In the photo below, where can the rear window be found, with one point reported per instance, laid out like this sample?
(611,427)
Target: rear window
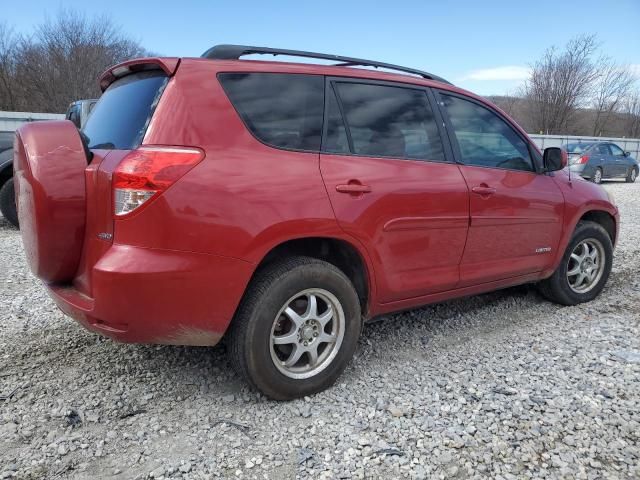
(577,147)
(121,116)
(282,110)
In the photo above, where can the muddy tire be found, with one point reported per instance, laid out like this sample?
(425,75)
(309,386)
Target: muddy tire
(584,269)
(8,202)
(296,329)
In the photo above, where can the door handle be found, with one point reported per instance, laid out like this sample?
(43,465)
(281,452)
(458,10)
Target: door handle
(353,188)
(484,190)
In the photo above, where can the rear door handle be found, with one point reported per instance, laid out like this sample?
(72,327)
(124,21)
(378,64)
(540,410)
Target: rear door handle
(484,190)
(353,188)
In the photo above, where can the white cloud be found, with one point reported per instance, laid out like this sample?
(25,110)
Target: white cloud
(511,72)
(635,69)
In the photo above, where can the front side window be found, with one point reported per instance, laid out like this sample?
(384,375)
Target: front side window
(616,150)
(388,121)
(281,110)
(484,138)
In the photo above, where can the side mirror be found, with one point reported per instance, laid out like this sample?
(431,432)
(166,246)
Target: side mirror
(554,159)
(626,154)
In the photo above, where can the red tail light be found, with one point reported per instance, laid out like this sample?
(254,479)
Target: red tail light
(582,160)
(147,172)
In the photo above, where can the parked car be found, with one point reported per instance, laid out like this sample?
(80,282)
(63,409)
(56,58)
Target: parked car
(280,205)
(7,203)
(78,112)
(597,161)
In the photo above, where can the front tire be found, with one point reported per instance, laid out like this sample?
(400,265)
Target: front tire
(632,175)
(8,202)
(584,269)
(296,329)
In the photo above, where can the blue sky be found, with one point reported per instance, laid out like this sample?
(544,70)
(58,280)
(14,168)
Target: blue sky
(484,45)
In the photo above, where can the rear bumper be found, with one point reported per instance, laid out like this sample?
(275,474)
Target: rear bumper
(583,170)
(142,295)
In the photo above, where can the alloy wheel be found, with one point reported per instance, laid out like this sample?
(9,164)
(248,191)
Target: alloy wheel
(307,333)
(586,265)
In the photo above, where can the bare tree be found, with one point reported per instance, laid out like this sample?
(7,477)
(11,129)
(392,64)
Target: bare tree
(632,114)
(63,58)
(611,88)
(8,43)
(560,83)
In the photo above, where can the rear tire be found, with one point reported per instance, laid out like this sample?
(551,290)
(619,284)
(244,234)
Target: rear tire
(563,287)
(632,175)
(8,202)
(597,176)
(277,320)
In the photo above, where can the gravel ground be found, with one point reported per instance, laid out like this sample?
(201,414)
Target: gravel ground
(502,385)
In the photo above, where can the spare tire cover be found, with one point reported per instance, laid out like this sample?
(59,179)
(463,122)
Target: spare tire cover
(49,164)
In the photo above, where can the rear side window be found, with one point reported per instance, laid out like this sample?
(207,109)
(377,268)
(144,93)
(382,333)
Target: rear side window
(484,138)
(388,121)
(120,118)
(281,110)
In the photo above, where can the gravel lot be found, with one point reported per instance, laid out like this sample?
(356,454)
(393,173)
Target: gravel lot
(502,385)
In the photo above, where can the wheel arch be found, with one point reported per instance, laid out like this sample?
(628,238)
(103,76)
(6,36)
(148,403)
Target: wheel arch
(604,219)
(337,251)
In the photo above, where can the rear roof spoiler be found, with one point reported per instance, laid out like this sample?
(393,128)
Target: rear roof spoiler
(234,52)
(168,65)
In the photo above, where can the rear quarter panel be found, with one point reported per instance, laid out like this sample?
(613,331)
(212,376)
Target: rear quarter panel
(244,198)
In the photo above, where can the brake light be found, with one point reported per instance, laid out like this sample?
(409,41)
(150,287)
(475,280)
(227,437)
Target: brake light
(582,160)
(149,171)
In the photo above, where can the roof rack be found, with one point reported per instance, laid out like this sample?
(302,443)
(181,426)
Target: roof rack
(234,52)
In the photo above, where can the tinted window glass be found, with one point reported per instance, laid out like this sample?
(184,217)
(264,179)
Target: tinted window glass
(578,147)
(336,140)
(390,122)
(282,110)
(121,116)
(616,150)
(484,138)
(604,149)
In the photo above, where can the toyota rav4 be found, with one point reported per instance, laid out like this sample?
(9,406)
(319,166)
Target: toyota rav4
(281,205)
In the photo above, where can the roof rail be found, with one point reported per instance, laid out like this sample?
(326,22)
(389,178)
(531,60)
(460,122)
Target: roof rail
(234,52)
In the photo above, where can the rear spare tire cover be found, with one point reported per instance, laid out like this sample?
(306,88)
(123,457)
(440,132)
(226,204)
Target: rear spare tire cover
(49,164)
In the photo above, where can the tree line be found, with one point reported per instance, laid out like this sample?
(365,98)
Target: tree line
(577,91)
(574,90)
(60,61)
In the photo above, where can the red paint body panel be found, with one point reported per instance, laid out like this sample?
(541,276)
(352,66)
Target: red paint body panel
(580,197)
(48,166)
(509,227)
(175,270)
(413,222)
(180,297)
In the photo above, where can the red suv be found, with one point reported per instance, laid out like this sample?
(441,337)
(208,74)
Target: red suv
(282,204)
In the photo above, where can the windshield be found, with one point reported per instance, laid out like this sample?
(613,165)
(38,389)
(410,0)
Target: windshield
(121,116)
